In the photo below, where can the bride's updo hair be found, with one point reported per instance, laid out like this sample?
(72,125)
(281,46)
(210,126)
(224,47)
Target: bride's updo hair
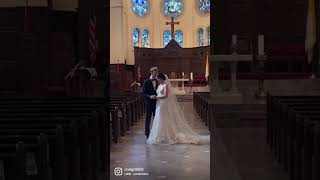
(161,76)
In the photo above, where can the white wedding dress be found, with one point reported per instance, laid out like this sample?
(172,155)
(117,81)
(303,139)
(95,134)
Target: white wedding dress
(169,124)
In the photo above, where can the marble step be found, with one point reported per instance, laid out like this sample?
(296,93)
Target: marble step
(239,123)
(239,107)
(240,115)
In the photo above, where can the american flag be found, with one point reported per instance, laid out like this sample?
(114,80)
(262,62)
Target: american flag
(93,42)
(139,73)
(26,18)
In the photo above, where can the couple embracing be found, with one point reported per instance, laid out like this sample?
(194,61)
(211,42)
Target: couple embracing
(169,124)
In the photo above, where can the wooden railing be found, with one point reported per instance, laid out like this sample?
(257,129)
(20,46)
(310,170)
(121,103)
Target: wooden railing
(135,86)
(82,82)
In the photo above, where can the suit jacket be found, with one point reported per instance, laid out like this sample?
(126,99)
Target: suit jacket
(148,89)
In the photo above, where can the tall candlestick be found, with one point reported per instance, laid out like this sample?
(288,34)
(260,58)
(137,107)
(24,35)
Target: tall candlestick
(182,74)
(234,39)
(261,44)
(191,76)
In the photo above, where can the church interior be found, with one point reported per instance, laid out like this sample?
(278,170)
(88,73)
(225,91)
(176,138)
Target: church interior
(244,72)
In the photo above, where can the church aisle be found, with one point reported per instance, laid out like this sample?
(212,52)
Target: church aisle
(181,161)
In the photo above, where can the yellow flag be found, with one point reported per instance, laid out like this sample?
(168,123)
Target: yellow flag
(310,30)
(207,66)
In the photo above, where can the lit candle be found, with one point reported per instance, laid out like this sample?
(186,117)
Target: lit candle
(234,39)
(191,76)
(261,44)
(182,74)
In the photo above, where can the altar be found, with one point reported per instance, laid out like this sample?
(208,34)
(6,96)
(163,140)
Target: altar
(233,96)
(175,85)
(171,59)
(216,93)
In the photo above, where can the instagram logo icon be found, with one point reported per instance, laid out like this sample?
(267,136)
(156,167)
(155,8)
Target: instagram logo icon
(118,171)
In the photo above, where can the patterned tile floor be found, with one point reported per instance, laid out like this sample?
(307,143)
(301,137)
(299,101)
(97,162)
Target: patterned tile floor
(188,162)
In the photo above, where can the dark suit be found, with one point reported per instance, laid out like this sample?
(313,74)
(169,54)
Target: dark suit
(149,90)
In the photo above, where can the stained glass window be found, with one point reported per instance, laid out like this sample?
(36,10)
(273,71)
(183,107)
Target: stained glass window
(208,35)
(178,35)
(136,34)
(204,6)
(173,8)
(166,38)
(201,37)
(140,7)
(145,38)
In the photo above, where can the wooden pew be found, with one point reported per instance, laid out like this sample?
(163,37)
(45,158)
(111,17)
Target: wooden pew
(126,108)
(132,109)
(63,142)
(275,106)
(293,134)
(94,132)
(115,123)
(273,121)
(14,156)
(124,113)
(136,97)
(202,106)
(7,113)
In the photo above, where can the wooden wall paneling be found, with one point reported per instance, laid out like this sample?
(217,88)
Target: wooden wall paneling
(316,64)
(8,62)
(122,79)
(172,58)
(61,57)
(8,54)
(38,59)
(36,55)
(219,27)
(8,19)
(282,22)
(84,7)
(33,65)
(103,27)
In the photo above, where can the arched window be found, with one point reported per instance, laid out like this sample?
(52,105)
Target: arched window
(145,38)
(201,37)
(208,35)
(173,8)
(178,35)
(204,6)
(140,7)
(166,38)
(136,34)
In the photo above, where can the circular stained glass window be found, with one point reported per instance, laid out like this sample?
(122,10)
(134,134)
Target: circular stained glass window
(204,6)
(173,8)
(140,7)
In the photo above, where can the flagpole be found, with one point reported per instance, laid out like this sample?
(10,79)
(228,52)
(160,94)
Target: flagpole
(310,30)
(139,73)
(26,18)
(207,67)
(93,41)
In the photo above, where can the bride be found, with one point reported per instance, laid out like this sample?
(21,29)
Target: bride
(169,124)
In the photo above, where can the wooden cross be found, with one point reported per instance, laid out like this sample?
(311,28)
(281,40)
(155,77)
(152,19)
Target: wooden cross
(172,23)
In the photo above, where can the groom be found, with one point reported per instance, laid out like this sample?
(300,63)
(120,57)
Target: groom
(149,88)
